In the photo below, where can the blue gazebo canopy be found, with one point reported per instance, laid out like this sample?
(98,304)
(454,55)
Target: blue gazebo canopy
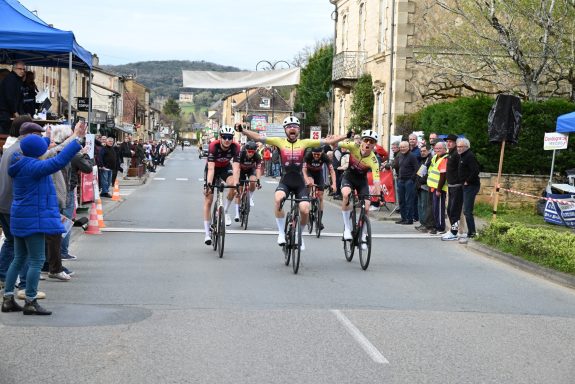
(24,36)
(566,123)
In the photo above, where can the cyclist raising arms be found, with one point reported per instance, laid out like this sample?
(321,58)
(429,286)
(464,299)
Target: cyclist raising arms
(250,168)
(313,171)
(291,153)
(362,159)
(222,164)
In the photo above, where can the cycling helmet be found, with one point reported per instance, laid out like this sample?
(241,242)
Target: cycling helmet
(290,120)
(251,146)
(317,150)
(370,135)
(226,131)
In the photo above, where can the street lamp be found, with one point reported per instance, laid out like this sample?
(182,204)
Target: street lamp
(272,67)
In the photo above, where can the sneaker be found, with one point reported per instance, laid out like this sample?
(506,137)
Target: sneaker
(281,239)
(449,236)
(433,231)
(43,275)
(463,239)
(21,295)
(252,202)
(10,305)
(69,256)
(62,276)
(237,218)
(68,272)
(422,228)
(228,220)
(441,232)
(407,222)
(208,240)
(401,221)
(347,234)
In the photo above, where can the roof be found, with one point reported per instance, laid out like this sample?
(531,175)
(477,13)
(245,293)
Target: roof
(24,36)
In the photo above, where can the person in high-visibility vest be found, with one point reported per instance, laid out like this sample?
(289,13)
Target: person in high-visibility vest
(436,181)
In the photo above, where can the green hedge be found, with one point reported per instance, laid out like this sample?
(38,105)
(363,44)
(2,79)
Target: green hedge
(468,116)
(542,246)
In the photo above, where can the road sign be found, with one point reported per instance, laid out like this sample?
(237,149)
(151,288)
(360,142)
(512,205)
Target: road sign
(315,132)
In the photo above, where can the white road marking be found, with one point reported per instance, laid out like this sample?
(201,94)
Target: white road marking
(272,182)
(181,178)
(159,178)
(369,348)
(253,232)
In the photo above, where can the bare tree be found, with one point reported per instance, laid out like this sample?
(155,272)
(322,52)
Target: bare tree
(492,46)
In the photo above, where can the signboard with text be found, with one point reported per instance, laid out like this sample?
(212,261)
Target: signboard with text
(315,132)
(555,140)
(83,104)
(258,122)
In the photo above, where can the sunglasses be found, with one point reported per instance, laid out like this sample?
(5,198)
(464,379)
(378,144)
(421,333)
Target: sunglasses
(289,126)
(227,137)
(369,141)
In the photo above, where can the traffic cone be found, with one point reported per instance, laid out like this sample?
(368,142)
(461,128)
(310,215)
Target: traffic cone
(100,212)
(93,227)
(116,194)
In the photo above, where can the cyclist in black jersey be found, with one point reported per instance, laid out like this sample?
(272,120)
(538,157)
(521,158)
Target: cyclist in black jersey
(291,152)
(313,171)
(250,169)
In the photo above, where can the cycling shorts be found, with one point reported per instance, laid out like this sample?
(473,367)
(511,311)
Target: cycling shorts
(317,179)
(245,175)
(293,182)
(220,173)
(356,182)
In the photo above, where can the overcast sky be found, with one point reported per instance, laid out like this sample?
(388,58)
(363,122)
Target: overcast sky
(239,33)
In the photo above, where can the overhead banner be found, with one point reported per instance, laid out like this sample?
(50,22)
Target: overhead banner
(237,80)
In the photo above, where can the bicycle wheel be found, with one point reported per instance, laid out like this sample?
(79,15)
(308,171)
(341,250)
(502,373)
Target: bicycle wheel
(296,248)
(318,218)
(287,246)
(221,230)
(364,254)
(311,219)
(246,209)
(214,227)
(349,245)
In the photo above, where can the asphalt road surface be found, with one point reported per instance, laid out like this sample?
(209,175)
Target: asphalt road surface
(150,303)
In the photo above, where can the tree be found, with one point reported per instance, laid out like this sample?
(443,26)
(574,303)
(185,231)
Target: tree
(362,105)
(315,83)
(493,46)
(171,108)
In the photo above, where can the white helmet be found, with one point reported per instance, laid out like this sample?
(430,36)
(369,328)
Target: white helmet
(226,131)
(290,120)
(370,134)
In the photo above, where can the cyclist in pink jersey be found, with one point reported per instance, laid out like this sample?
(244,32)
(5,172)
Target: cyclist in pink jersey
(292,151)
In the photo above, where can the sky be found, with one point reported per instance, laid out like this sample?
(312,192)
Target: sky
(238,33)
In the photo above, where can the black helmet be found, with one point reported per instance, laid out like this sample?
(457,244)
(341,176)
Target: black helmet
(251,146)
(317,150)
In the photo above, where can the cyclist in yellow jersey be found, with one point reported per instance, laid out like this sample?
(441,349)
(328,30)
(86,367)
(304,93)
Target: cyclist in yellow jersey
(362,159)
(292,151)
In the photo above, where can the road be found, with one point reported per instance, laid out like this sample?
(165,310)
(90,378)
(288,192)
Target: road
(150,303)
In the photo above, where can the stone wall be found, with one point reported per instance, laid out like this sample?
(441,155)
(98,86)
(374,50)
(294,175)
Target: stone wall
(533,185)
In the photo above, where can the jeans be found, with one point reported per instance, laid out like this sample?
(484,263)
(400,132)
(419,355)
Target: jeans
(27,249)
(68,212)
(7,252)
(406,192)
(276,169)
(106,176)
(469,193)
(422,203)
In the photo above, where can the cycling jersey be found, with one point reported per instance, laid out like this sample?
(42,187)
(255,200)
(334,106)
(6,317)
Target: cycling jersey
(292,154)
(359,164)
(313,165)
(221,157)
(249,163)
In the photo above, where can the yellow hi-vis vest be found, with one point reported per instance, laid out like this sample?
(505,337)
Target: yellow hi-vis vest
(433,173)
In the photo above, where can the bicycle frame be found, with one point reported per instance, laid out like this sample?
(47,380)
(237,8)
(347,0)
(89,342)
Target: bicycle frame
(292,247)
(360,232)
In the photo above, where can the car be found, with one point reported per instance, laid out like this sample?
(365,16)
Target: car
(204,150)
(187,143)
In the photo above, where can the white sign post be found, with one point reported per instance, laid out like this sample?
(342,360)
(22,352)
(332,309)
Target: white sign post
(315,132)
(552,142)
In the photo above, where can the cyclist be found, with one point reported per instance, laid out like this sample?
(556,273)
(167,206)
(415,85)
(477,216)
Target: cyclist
(313,172)
(362,159)
(291,152)
(250,169)
(222,164)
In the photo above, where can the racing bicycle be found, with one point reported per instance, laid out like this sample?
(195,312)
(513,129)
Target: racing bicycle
(292,246)
(361,231)
(315,212)
(218,224)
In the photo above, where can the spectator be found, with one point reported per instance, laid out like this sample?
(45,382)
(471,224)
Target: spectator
(454,189)
(275,163)
(468,175)
(436,181)
(407,166)
(413,145)
(126,154)
(11,101)
(109,161)
(29,92)
(31,180)
(267,156)
(423,206)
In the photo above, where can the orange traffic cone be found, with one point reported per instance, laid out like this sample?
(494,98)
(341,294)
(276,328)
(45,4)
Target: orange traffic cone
(100,212)
(116,194)
(93,227)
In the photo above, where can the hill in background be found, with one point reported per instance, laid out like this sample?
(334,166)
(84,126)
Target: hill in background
(164,78)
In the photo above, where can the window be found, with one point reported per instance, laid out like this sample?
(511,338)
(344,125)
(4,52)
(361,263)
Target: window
(361,34)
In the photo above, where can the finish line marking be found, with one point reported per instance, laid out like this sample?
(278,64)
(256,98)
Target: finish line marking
(255,232)
(367,346)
